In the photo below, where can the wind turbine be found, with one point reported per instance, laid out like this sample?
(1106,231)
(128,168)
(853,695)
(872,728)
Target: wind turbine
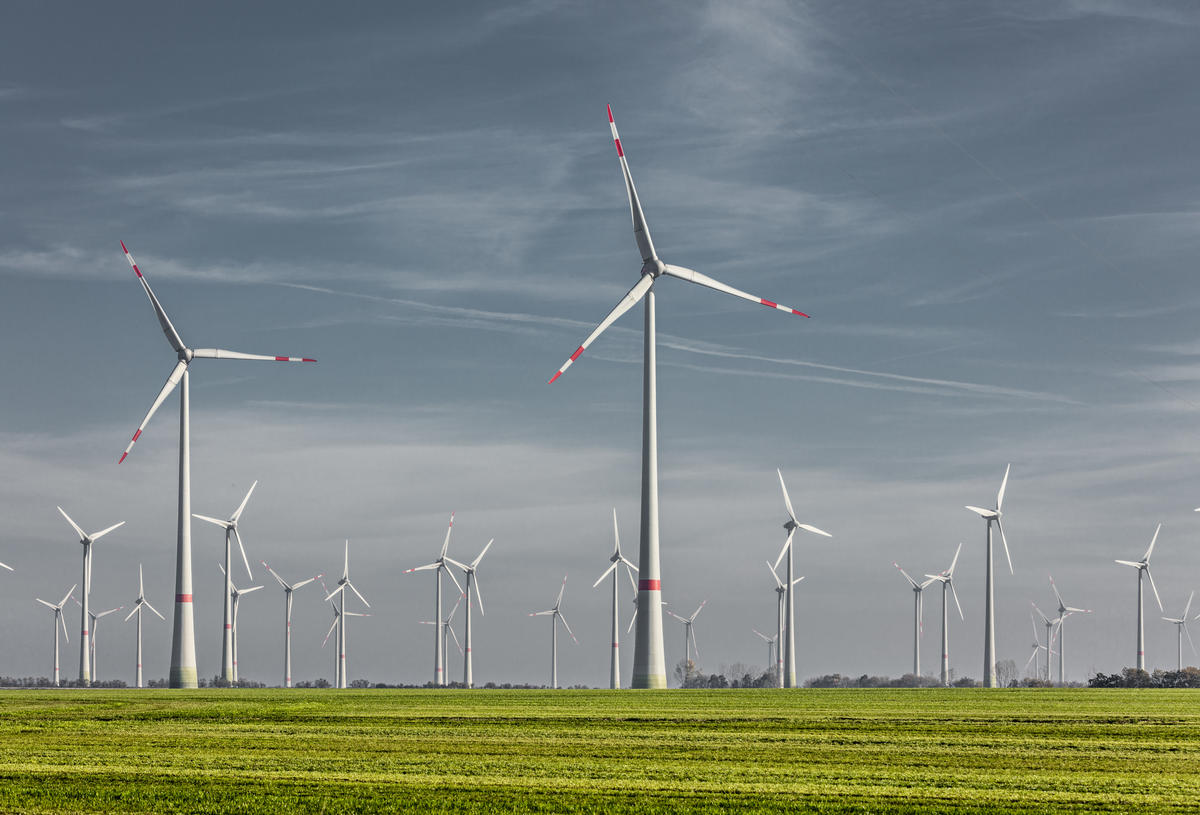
(771,643)
(555,615)
(343,584)
(339,658)
(918,608)
(1181,629)
(96,624)
(947,581)
(439,660)
(1050,624)
(789,655)
(689,634)
(472,582)
(228,657)
(58,619)
(141,603)
(1143,565)
(989,604)
(86,541)
(448,628)
(6,566)
(183,635)
(614,670)
(649,662)
(236,594)
(780,602)
(287,618)
(1064,611)
(1037,646)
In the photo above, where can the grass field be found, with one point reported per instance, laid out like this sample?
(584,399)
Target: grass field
(258,751)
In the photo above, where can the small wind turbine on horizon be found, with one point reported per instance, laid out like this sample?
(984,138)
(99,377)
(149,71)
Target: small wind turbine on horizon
(288,588)
(614,669)
(228,656)
(472,592)
(555,615)
(439,565)
(1037,645)
(59,619)
(918,608)
(1181,629)
(1064,611)
(649,660)
(989,604)
(1050,626)
(96,624)
(1143,565)
(183,636)
(790,526)
(448,629)
(236,594)
(86,541)
(947,580)
(339,658)
(689,635)
(771,646)
(141,603)
(780,603)
(343,584)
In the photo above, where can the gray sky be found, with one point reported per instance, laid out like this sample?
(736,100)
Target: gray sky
(990,210)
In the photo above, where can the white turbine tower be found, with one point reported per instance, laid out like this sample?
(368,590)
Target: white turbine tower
(141,603)
(947,580)
(288,588)
(1064,611)
(790,526)
(339,658)
(472,580)
(343,584)
(1143,565)
(1181,629)
(439,565)
(448,629)
(555,615)
(58,619)
(918,615)
(96,624)
(236,594)
(228,657)
(614,669)
(689,636)
(989,603)
(86,541)
(183,635)
(780,604)
(649,662)
(1050,626)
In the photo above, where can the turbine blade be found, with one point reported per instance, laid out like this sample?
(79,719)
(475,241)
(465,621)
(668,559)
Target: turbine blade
(778,582)
(346,562)
(1031,656)
(62,618)
(136,609)
(422,568)
(695,645)
(475,562)
(692,276)
(238,537)
(98,535)
(454,562)
(953,563)
(561,589)
(1128,563)
(356,592)
(478,596)
(676,616)
(1057,596)
(446,542)
(335,592)
(221,353)
(983,513)
(455,638)
(1156,597)
(141,585)
(1189,636)
(168,329)
(787,501)
(237,513)
(330,631)
(146,603)
(906,577)
(814,530)
(696,613)
(455,579)
(616,535)
(627,302)
(279,579)
(1003,487)
(75,526)
(952,591)
(172,380)
(67,596)
(640,232)
(783,551)
(632,620)
(1188,607)
(629,563)
(47,605)
(1004,540)
(564,622)
(1146,557)
(303,583)
(607,572)
(214,521)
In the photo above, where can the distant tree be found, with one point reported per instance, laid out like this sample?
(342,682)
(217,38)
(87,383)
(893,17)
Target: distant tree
(1006,673)
(321,682)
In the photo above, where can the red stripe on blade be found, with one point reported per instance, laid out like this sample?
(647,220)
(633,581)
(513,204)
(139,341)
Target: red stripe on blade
(620,152)
(137,433)
(122,458)
(306,359)
(610,118)
(551,382)
(767,302)
(649,585)
(578,351)
(801,313)
(282,359)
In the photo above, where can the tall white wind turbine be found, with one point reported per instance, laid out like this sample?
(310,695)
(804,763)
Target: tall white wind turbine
(649,662)
(780,605)
(918,609)
(614,669)
(790,526)
(288,588)
(59,619)
(1064,611)
(555,615)
(95,618)
(439,659)
(689,635)
(339,657)
(228,671)
(141,603)
(236,595)
(1143,565)
(472,592)
(1181,629)
(343,584)
(86,541)
(947,580)
(183,635)
(989,604)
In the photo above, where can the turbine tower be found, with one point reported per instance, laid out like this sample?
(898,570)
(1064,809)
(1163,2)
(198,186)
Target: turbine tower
(183,635)
(439,659)
(1050,625)
(472,580)
(228,657)
(689,635)
(339,658)
(1064,611)
(287,620)
(448,628)
(780,604)
(614,669)
(141,603)
(1037,646)
(95,618)
(989,604)
(86,541)
(947,580)
(649,662)
(1181,629)
(789,644)
(555,615)
(236,594)
(918,608)
(343,584)
(1143,565)
(58,619)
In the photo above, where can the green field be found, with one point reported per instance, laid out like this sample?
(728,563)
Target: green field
(578,751)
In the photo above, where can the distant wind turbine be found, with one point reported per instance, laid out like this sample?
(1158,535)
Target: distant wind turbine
(614,668)
(58,619)
(947,580)
(989,603)
(344,584)
(689,633)
(141,603)
(236,593)
(288,588)
(86,541)
(1143,565)
(439,659)
(790,526)
(918,607)
(1181,629)
(555,615)
(228,658)
(780,604)
(339,657)
(96,624)
(1064,611)
(472,592)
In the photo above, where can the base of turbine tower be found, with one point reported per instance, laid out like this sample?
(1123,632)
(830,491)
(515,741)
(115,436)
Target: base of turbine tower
(183,678)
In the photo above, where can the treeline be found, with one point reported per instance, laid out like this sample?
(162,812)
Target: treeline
(866,681)
(44,682)
(1137,678)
